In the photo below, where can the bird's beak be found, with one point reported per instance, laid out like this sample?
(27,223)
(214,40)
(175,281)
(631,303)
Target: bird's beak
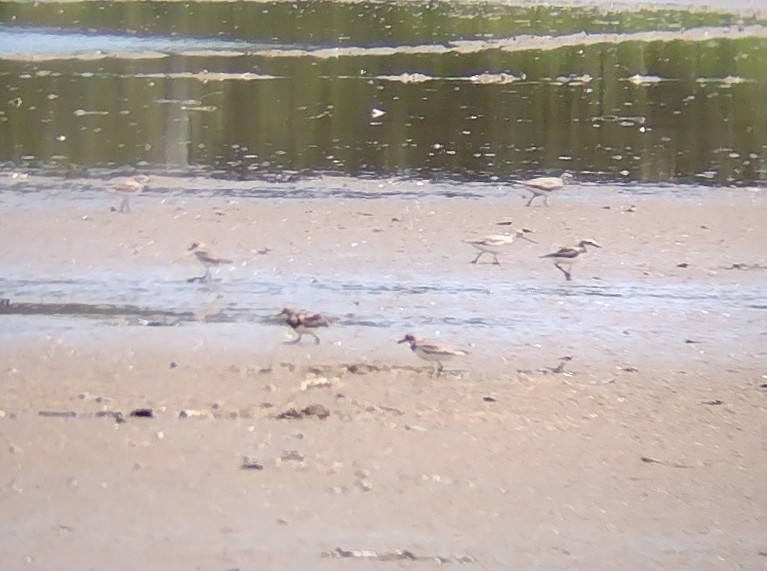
(403,340)
(521,234)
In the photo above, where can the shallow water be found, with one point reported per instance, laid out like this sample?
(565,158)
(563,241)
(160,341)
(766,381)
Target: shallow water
(671,319)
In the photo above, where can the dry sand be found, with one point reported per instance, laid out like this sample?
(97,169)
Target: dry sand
(643,453)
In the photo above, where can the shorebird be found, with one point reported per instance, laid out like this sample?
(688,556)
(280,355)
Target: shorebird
(430,350)
(495,244)
(207,259)
(568,255)
(129,187)
(544,185)
(303,323)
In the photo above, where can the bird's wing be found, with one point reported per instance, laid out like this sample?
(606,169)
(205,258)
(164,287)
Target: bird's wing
(497,239)
(494,240)
(313,320)
(128,186)
(564,253)
(208,258)
(542,183)
(434,348)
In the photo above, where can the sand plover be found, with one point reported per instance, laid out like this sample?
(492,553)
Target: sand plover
(568,255)
(495,244)
(207,259)
(545,185)
(129,187)
(303,322)
(430,350)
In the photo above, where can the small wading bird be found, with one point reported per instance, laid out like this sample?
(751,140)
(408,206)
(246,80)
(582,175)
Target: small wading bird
(207,259)
(432,351)
(127,188)
(568,255)
(303,322)
(495,244)
(545,185)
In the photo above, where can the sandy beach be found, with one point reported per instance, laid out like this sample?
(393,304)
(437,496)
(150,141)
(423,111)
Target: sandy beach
(646,449)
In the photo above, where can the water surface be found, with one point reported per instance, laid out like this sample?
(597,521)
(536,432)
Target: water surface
(447,91)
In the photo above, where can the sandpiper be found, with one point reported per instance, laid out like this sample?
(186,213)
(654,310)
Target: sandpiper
(207,259)
(495,243)
(568,255)
(129,187)
(544,185)
(303,322)
(430,350)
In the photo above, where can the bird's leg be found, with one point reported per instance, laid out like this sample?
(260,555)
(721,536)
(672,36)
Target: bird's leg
(530,202)
(439,368)
(476,260)
(125,205)
(546,200)
(568,276)
(495,260)
(316,339)
(207,276)
(561,367)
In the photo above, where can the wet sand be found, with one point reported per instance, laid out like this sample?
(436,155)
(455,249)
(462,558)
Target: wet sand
(646,450)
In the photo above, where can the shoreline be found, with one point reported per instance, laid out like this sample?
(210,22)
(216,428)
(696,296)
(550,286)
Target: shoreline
(655,429)
(669,269)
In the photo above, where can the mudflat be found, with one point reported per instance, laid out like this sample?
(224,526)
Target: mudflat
(645,449)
